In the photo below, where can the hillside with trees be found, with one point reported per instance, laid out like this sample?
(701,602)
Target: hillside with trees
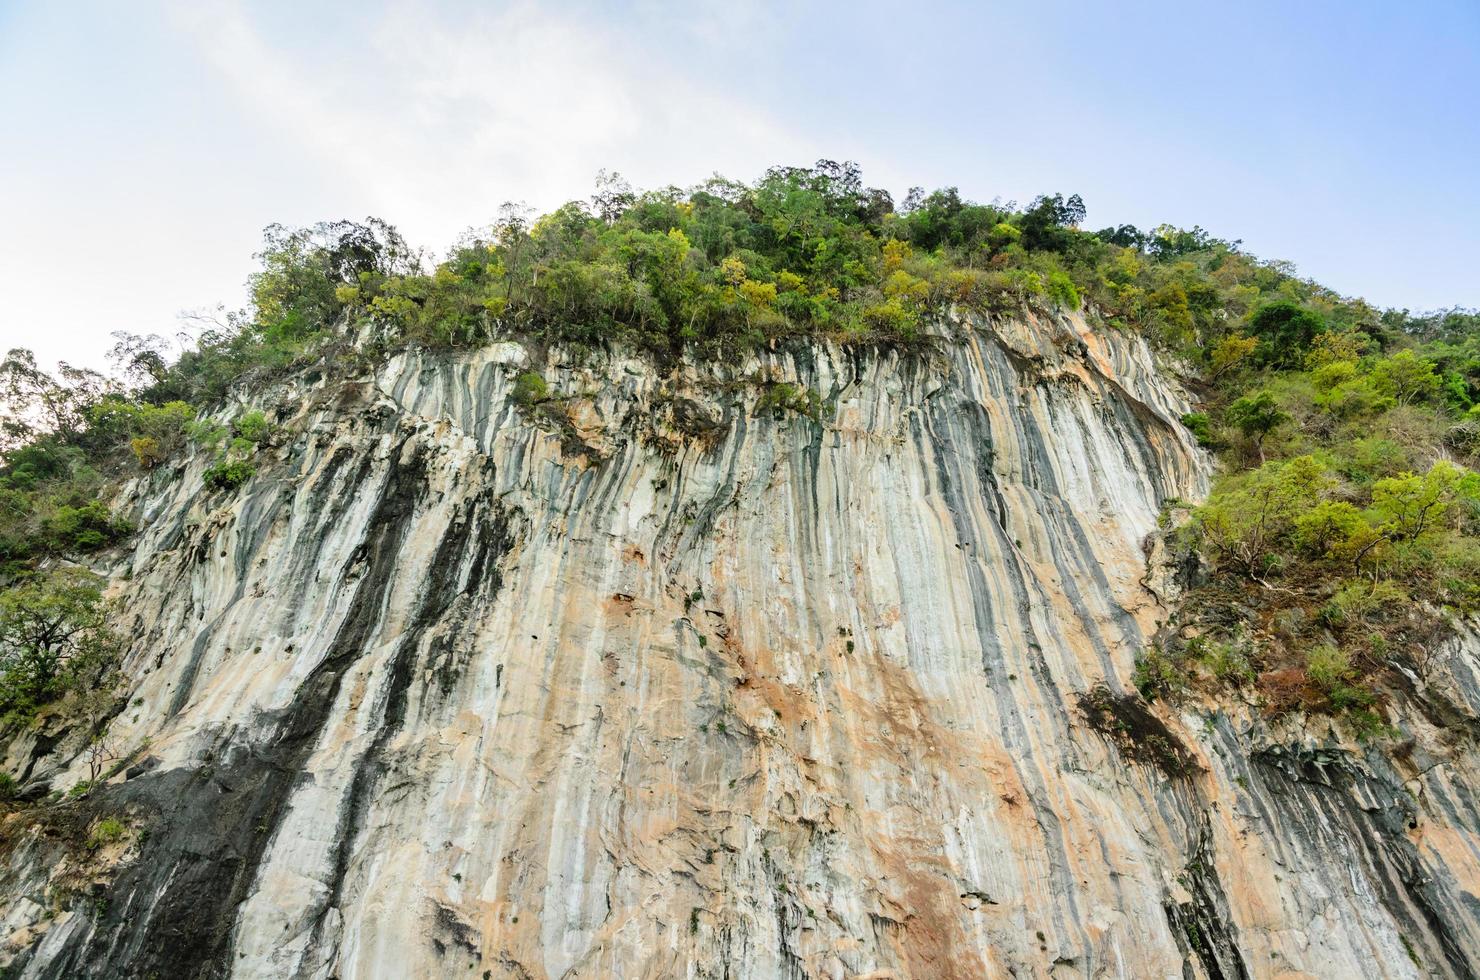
(1342,532)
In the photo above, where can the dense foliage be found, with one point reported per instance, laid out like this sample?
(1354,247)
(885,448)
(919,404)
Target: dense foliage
(54,638)
(67,438)
(725,267)
(1346,523)
(1345,431)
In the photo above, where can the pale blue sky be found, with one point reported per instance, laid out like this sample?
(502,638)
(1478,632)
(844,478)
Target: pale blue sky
(147,144)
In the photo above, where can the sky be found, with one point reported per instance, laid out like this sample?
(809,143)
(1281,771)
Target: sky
(146,145)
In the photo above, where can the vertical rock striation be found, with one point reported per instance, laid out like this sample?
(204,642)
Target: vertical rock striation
(642,682)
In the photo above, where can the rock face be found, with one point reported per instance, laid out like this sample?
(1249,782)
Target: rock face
(641,682)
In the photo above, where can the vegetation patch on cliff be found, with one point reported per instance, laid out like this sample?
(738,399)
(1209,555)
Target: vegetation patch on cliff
(1128,722)
(1344,530)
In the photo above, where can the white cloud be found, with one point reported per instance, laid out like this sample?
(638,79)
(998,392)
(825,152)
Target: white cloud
(437,118)
(186,129)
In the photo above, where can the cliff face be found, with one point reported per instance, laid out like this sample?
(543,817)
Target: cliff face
(642,682)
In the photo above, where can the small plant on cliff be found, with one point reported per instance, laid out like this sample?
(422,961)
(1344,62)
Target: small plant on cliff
(1140,735)
(152,432)
(84,528)
(1158,675)
(780,398)
(1327,665)
(234,463)
(109,830)
(529,390)
(228,474)
(253,427)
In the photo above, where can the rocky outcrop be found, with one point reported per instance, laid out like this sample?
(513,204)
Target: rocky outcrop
(640,681)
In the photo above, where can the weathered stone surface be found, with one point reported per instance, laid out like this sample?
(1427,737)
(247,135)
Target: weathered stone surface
(442,693)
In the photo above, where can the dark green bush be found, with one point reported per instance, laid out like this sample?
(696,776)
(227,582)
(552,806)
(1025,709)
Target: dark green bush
(1285,331)
(86,528)
(1200,424)
(229,474)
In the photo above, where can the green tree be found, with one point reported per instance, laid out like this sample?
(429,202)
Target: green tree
(1332,528)
(1247,522)
(1409,505)
(1256,416)
(298,293)
(1285,330)
(1406,378)
(511,231)
(54,637)
(1229,353)
(613,196)
(1343,390)
(1047,222)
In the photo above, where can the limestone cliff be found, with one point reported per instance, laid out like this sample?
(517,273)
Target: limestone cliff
(640,681)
